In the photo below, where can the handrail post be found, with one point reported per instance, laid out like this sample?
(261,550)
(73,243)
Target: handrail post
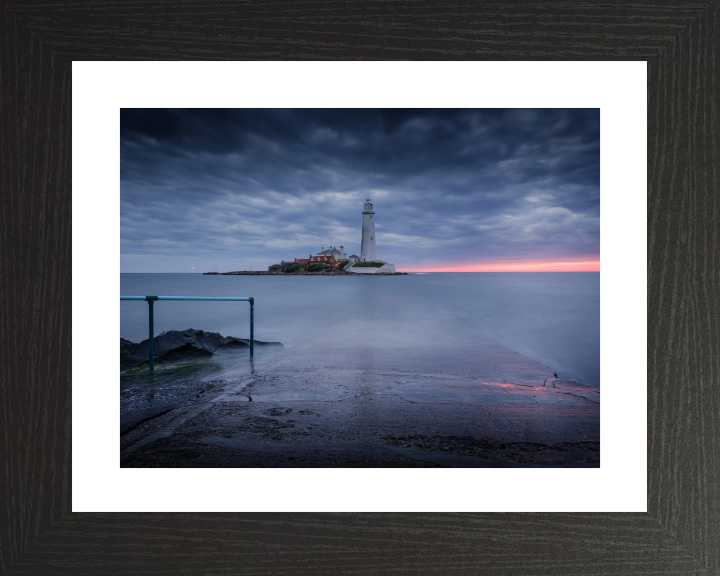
(151,340)
(151,300)
(252,322)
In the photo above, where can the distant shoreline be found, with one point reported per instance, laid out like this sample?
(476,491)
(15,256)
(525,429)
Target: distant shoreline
(326,273)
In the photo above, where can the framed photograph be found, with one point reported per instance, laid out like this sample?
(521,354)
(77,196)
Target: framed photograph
(470,334)
(181,461)
(483,231)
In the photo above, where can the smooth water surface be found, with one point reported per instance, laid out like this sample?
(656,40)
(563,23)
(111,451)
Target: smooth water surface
(553,318)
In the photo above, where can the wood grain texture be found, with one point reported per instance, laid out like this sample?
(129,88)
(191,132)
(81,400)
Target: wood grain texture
(681,532)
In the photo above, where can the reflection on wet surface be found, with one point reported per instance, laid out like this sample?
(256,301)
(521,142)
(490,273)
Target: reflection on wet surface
(481,393)
(374,403)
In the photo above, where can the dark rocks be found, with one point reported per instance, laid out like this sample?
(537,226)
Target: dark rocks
(331,272)
(575,454)
(175,345)
(250,273)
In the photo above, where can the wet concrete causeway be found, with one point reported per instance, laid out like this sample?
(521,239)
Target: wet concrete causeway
(373,404)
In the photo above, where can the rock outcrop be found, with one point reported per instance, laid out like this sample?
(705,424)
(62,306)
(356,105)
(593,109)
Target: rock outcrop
(175,345)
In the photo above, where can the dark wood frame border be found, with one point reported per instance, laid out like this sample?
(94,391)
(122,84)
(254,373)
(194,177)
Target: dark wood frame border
(680,534)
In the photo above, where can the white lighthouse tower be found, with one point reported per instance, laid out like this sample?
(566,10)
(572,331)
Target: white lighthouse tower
(367,247)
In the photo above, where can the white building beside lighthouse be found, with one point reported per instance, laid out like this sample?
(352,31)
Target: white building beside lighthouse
(367,247)
(332,251)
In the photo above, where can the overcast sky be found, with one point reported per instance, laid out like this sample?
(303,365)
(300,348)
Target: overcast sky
(452,189)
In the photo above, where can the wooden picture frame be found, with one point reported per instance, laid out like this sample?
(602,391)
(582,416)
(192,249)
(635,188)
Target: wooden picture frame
(680,533)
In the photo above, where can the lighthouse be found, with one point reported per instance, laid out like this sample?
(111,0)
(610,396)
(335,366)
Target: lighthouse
(367,247)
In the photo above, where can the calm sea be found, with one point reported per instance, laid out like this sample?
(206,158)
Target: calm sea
(553,318)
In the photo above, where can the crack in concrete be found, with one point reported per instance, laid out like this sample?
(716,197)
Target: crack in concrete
(134,426)
(578,396)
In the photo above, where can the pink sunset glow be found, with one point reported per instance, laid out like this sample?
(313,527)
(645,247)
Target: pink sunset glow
(581,266)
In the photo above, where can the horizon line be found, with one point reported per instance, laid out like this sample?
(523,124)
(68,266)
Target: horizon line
(409,271)
(582,266)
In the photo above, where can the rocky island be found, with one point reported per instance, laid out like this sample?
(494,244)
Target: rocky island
(276,272)
(334,261)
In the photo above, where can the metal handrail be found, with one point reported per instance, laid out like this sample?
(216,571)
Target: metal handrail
(151,299)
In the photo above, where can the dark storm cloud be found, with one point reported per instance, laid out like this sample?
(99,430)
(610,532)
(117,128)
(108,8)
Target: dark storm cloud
(449,186)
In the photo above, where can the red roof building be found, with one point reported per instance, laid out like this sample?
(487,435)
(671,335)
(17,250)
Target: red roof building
(302,261)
